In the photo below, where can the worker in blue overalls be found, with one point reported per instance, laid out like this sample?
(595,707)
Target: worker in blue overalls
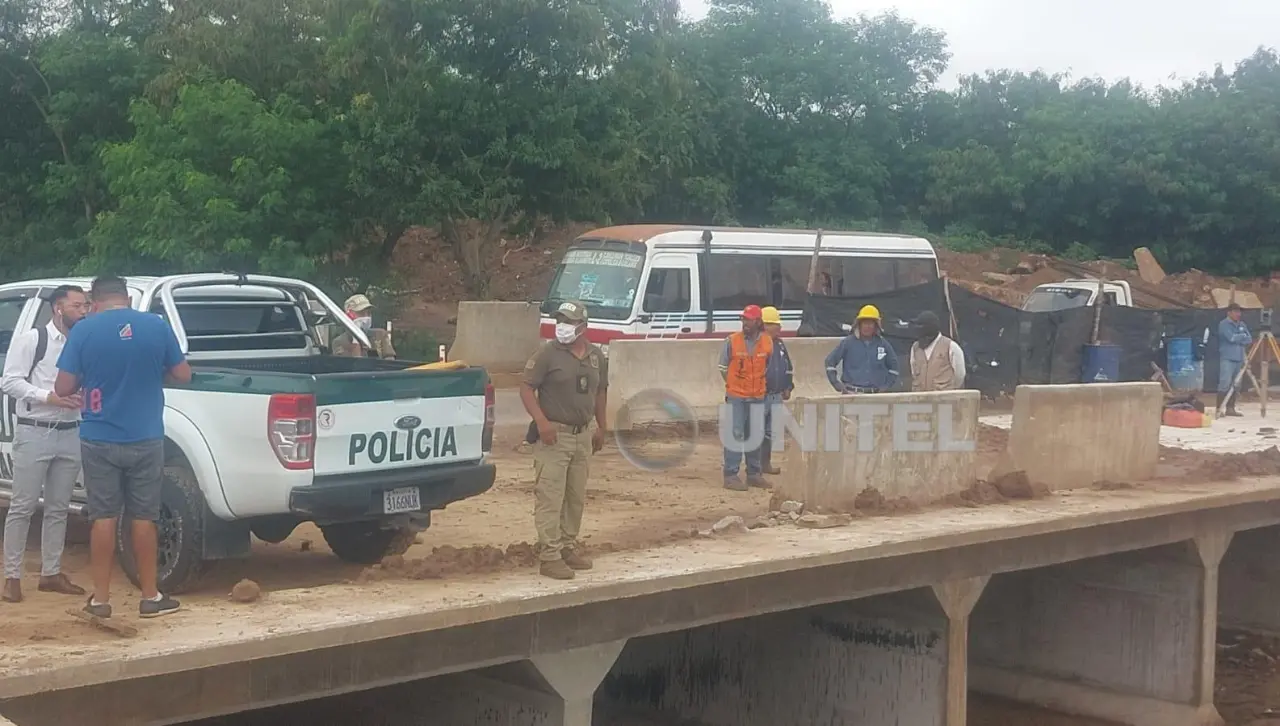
(863,362)
(1233,345)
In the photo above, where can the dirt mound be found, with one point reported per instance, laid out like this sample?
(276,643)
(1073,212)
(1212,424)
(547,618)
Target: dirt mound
(1226,467)
(992,440)
(447,560)
(1011,486)
(872,501)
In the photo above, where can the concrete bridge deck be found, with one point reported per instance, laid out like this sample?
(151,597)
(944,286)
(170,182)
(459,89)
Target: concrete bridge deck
(1100,602)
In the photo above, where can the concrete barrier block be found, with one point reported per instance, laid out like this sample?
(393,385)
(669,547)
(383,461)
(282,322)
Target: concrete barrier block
(1071,436)
(497,335)
(690,369)
(917,447)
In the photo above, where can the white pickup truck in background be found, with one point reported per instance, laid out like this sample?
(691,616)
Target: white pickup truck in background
(1076,294)
(274,431)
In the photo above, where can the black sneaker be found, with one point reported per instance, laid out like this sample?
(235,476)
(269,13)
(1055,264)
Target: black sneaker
(156,608)
(97,610)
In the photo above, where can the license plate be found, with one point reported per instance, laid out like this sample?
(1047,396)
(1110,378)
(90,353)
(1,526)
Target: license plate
(396,501)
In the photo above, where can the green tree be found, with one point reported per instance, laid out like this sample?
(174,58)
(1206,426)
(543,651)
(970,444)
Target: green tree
(223,180)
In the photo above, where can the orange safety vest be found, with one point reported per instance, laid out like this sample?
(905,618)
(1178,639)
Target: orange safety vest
(746,370)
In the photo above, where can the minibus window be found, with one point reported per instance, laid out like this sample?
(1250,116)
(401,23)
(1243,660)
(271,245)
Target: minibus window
(868,276)
(669,291)
(795,281)
(738,281)
(916,272)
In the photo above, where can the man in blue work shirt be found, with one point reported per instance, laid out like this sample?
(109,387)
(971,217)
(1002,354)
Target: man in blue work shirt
(1233,344)
(118,360)
(863,362)
(779,382)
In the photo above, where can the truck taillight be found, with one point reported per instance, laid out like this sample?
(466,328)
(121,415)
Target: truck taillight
(486,438)
(291,429)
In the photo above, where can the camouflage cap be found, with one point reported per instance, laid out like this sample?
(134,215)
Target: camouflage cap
(572,310)
(357,304)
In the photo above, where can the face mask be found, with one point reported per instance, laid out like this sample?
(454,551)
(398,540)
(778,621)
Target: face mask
(365,324)
(928,333)
(566,333)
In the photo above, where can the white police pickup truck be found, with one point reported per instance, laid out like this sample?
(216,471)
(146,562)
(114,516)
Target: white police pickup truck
(274,431)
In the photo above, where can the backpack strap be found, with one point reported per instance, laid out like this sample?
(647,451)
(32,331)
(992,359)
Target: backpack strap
(42,347)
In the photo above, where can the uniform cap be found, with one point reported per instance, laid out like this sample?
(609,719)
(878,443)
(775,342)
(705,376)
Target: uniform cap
(928,317)
(357,304)
(770,316)
(573,311)
(751,312)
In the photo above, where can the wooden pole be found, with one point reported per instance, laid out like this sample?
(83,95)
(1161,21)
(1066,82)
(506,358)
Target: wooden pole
(1097,310)
(951,311)
(813,265)
(1266,372)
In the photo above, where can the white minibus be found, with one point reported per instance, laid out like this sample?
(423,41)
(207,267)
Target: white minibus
(687,281)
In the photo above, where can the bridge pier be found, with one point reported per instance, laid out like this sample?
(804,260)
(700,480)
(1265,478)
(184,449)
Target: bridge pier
(552,689)
(1129,638)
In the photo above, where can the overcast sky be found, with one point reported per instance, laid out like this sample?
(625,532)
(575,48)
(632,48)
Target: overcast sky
(1146,40)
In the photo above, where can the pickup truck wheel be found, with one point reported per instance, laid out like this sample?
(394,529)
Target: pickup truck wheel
(179,534)
(366,543)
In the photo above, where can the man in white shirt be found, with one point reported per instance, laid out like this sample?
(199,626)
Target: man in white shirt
(937,362)
(46,446)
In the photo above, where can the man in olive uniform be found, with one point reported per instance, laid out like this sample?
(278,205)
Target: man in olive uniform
(360,310)
(564,391)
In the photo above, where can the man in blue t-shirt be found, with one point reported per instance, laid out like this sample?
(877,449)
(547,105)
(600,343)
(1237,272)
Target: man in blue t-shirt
(119,359)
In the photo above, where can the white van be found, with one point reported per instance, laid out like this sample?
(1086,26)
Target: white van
(696,280)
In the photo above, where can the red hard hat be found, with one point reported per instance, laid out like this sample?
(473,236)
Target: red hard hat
(751,312)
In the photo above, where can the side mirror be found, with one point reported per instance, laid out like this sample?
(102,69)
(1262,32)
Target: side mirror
(645,318)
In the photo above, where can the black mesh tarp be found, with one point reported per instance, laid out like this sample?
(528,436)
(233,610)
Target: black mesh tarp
(1007,346)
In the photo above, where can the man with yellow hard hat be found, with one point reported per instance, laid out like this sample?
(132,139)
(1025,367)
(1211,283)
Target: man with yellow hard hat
(863,362)
(779,383)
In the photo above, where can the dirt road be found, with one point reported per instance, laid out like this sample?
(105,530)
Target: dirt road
(627,508)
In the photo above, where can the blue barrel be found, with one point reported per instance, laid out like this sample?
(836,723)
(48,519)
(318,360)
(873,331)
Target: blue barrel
(1101,364)
(1184,371)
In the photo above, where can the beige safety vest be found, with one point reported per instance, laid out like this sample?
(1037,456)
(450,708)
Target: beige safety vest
(936,373)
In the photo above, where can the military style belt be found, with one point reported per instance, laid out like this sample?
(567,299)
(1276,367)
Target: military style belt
(55,425)
(860,389)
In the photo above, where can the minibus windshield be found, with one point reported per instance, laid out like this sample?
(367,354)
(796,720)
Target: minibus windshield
(606,280)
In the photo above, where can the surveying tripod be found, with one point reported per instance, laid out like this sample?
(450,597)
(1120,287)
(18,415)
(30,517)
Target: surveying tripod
(1266,342)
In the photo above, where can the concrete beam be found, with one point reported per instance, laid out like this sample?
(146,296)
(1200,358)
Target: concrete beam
(1127,638)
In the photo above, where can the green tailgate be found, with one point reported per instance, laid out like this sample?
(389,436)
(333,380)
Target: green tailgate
(343,388)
